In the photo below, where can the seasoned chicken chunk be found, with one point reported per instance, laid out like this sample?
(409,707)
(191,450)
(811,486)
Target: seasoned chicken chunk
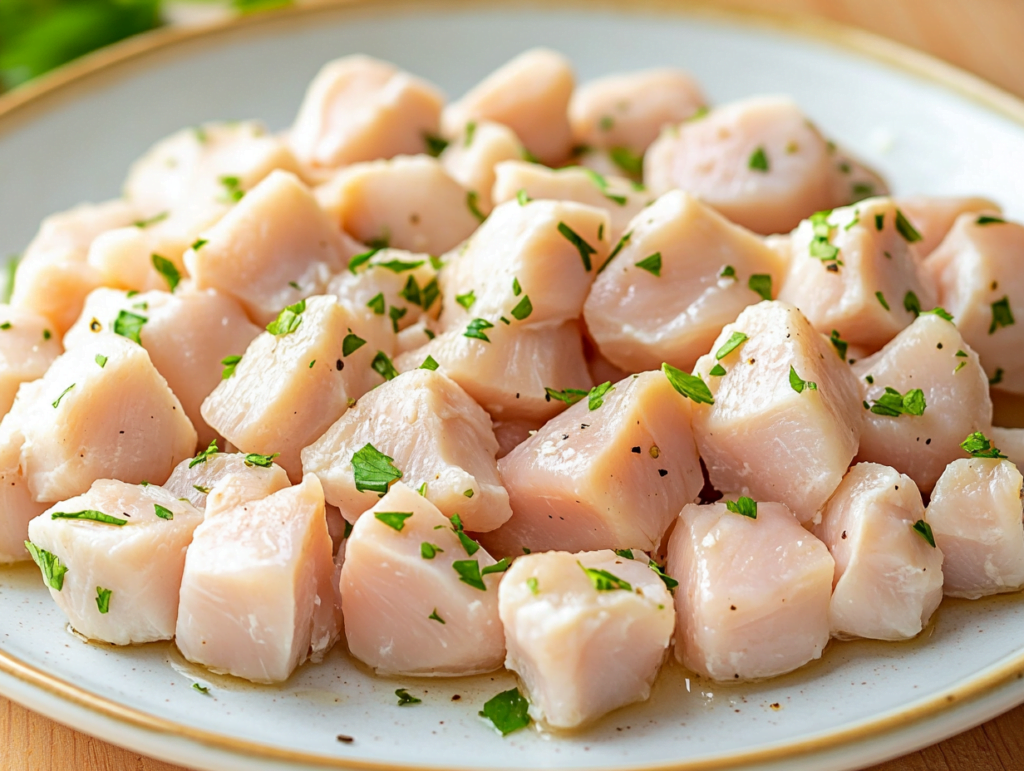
(975,514)
(629,110)
(102,411)
(611,472)
(530,94)
(978,271)
(854,270)
(28,347)
(616,195)
(473,155)
(888,578)
(527,264)
(934,216)
(17,508)
(219,481)
(435,436)
(297,378)
(753,594)
(759,161)
(681,274)
(408,202)
(276,247)
(392,282)
(127,258)
(586,633)
(923,393)
(785,416)
(188,335)
(508,372)
(113,557)
(360,109)
(420,597)
(256,595)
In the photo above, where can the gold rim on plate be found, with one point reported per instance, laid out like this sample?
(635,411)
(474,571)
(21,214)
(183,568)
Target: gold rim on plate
(97,68)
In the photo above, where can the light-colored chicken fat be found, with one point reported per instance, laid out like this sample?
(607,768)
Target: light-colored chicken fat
(290,387)
(508,373)
(408,202)
(360,109)
(760,162)
(530,94)
(256,597)
(978,271)
(220,481)
(84,421)
(975,514)
(53,276)
(630,110)
(618,196)
(611,477)
(854,271)
(473,155)
(188,335)
(547,251)
(762,435)
(274,248)
(584,643)
(919,437)
(681,274)
(435,435)
(934,216)
(28,346)
(122,548)
(417,601)
(888,578)
(753,594)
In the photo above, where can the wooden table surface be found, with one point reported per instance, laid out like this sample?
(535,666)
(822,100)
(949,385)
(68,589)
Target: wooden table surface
(983,36)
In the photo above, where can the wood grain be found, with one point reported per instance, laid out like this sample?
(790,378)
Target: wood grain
(983,36)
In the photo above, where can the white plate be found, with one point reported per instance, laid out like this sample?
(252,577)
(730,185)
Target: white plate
(71,140)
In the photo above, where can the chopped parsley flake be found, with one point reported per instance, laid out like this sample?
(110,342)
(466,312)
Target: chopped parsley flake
(839,344)
(199,243)
(435,617)
(204,455)
(405,698)
(101,360)
(523,197)
(382,365)
(718,371)
(470,133)
(627,160)
(498,567)
(595,398)
(798,384)
(168,270)
(569,395)
(618,248)
(940,312)
(670,583)
(924,530)
(143,224)
(523,309)
(473,204)
(396,314)
(64,393)
(376,304)
(374,471)
(735,341)
(626,554)
(881,299)
(988,219)
(892,404)
(977,445)
(233,192)
(690,386)
(761,283)
(476,329)
(50,566)
(758,160)
(996,378)
(361,259)
(912,304)
(1002,316)
(471,546)
(399,266)
(163,512)
(602,184)
(262,461)
(199,489)
(200,688)
(429,550)
(435,144)
(103,599)
(651,264)
(351,344)
(727,271)
(744,506)
(879,221)
(585,249)
(91,515)
(466,300)
(469,573)
(288,320)
(533,585)
(507,712)
(429,363)
(230,364)
(129,325)
(604,581)
(905,229)
(393,519)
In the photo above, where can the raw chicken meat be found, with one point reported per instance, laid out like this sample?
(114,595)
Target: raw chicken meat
(401,284)
(472,156)
(753,594)
(586,633)
(17,508)
(934,216)
(1011,442)
(28,347)
(219,481)
(419,596)
(113,557)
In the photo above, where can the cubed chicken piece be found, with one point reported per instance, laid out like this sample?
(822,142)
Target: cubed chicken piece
(188,335)
(361,109)
(472,156)
(923,393)
(618,196)
(586,633)
(760,162)
(512,433)
(28,347)
(17,508)
(934,216)
(415,335)
(852,180)
(854,270)
(629,110)
(419,597)
(527,264)
(408,202)
(298,378)
(113,557)
(1011,442)
(220,481)
(978,271)
(680,274)
(753,594)
(102,411)
(256,595)
(392,282)
(509,368)
(888,578)
(276,247)
(128,258)
(530,94)
(975,514)
(785,417)
(53,277)
(436,438)
(611,472)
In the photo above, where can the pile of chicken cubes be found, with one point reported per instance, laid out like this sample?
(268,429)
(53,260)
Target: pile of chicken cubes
(549,378)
